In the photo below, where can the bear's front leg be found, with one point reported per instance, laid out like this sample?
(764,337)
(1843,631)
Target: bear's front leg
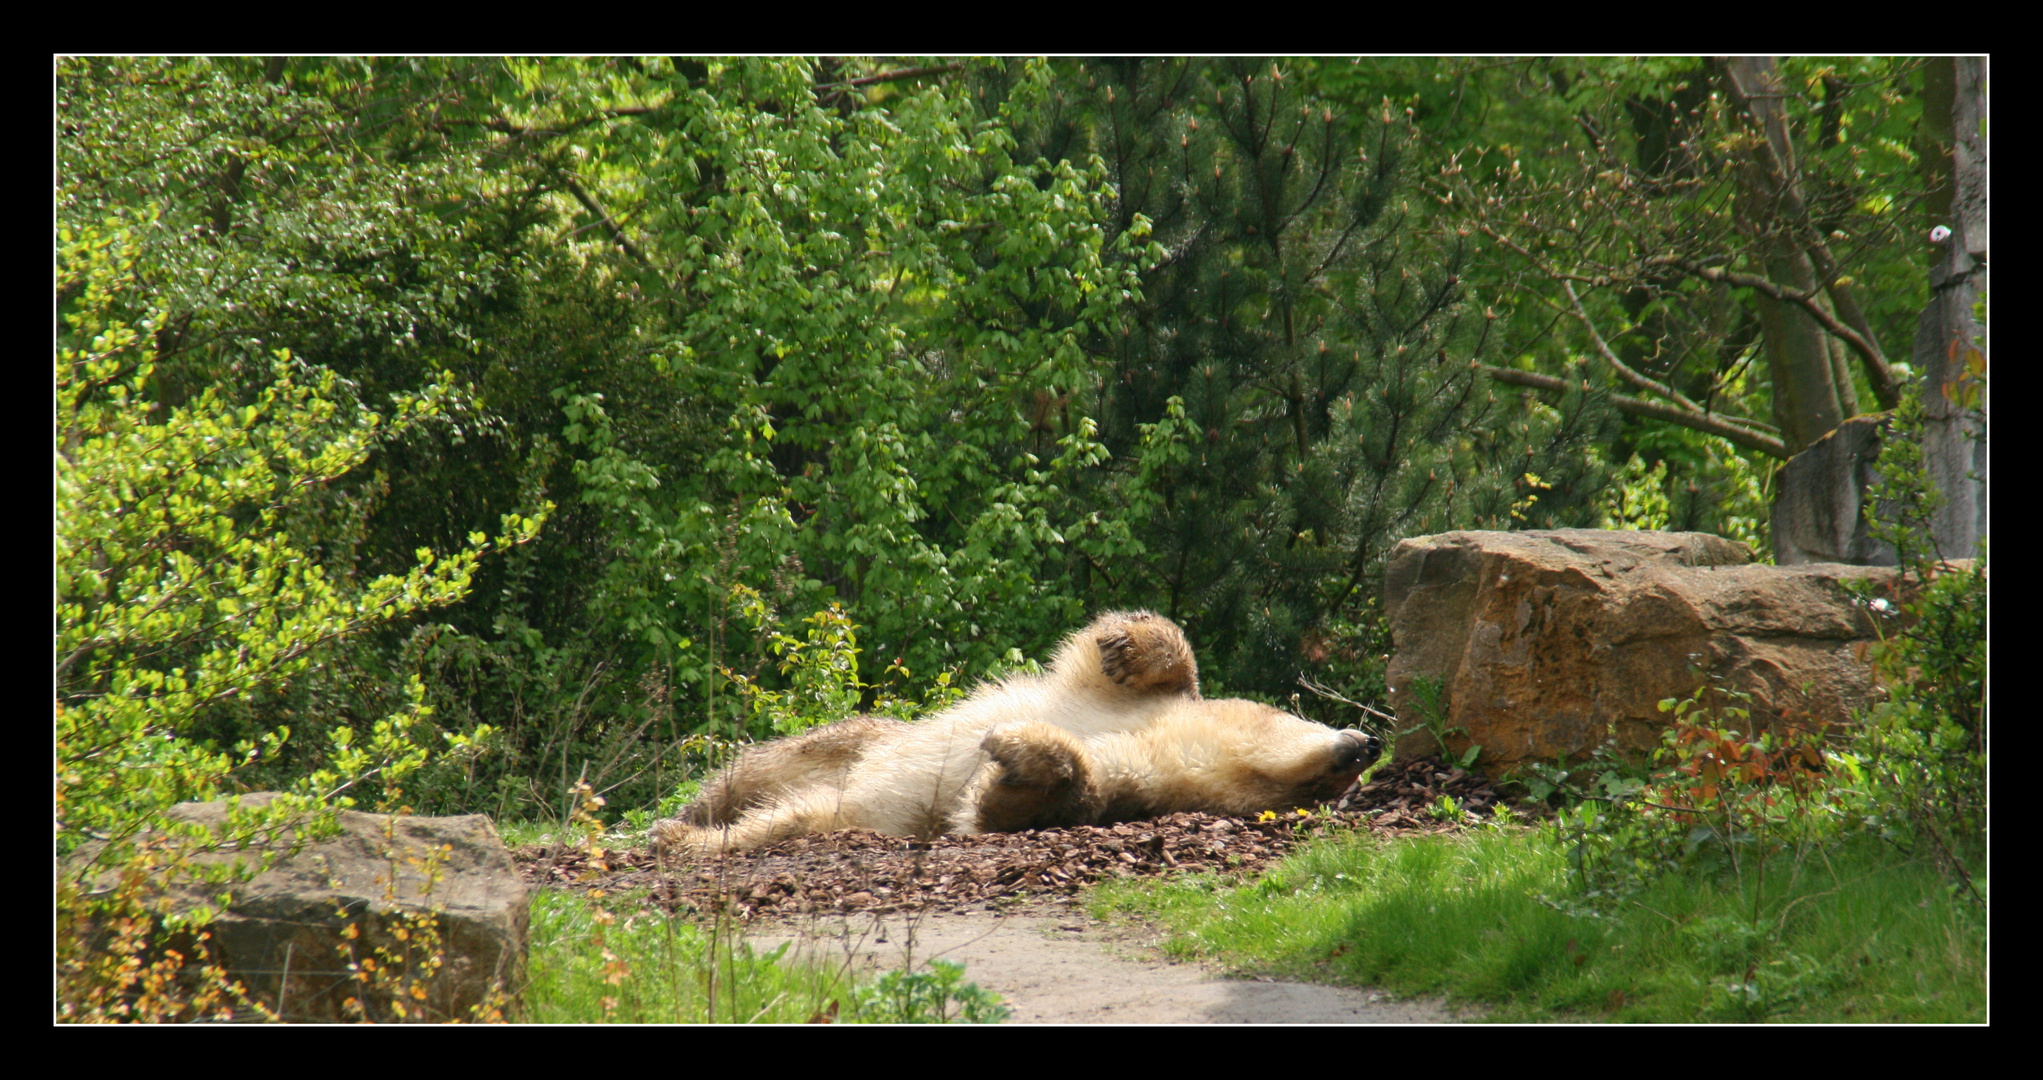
(1036,777)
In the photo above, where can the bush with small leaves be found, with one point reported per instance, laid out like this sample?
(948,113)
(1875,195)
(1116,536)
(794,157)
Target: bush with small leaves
(184,584)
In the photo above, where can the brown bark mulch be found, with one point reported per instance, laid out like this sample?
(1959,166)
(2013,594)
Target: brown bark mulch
(865,871)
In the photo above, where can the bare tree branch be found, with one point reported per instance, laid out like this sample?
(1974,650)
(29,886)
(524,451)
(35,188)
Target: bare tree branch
(894,76)
(1610,357)
(616,231)
(1877,369)
(1331,695)
(1708,423)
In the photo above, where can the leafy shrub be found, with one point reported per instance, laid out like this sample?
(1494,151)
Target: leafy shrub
(1715,798)
(1926,741)
(187,581)
(821,666)
(936,996)
(1690,482)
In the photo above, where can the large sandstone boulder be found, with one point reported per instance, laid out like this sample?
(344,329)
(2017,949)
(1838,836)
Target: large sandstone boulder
(286,934)
(1549,643)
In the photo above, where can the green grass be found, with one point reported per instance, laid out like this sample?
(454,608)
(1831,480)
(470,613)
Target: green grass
(668,970)
(673,972)
(521,833)
(1484,919)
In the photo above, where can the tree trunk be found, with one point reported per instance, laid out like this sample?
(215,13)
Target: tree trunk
(1954,431)
(1805,397)
(1819,493)
(1806,401)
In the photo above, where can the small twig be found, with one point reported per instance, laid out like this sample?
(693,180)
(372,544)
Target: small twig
(1332,696)
(1658,912)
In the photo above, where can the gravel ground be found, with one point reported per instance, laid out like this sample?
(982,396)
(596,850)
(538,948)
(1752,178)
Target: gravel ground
(856,871)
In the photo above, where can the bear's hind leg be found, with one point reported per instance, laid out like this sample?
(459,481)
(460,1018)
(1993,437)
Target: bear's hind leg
(1038,777)
(768,771)
(799,814)
(1147,653)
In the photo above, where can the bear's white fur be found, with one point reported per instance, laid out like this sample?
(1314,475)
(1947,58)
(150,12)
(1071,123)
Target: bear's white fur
(1114,730)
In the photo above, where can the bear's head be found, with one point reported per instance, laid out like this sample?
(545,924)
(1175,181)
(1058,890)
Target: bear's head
(1243,757)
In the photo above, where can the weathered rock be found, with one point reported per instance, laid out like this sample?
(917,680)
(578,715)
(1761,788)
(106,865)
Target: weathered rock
(1548,643)
(285,935)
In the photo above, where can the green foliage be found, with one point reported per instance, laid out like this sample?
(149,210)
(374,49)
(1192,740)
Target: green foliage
(869,299)
(1716,797)
(1926,740)
(281,209)
(282,205)
(1430,709)
(187,581)
(1649,238)
(1293,392)
(936,996)
(828,403)
(1639,498)
(1691,483)
(821,668)
(184,579)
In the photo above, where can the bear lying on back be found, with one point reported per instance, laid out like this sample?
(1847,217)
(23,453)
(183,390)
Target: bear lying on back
(1115,730)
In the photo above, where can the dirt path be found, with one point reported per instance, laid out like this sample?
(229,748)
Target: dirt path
(1053,964)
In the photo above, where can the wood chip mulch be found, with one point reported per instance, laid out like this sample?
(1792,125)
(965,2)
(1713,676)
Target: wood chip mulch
(866,871)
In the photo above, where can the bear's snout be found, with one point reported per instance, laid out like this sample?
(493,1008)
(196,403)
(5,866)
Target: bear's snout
(1357,750)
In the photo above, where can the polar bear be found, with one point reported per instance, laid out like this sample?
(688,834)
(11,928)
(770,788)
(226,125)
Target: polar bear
(1114,730)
